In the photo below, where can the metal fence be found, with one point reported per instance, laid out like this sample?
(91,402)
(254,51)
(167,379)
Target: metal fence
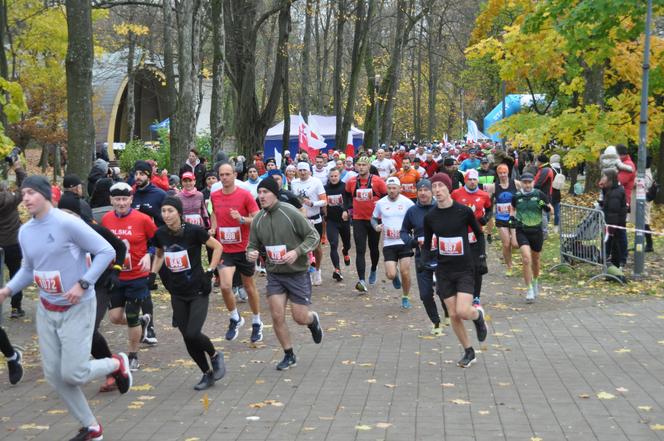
(582,232)
(2,277)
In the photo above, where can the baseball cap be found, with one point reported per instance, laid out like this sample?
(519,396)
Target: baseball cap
(484,160)
(188,175)
(393,180)
(472,174)
(527,176)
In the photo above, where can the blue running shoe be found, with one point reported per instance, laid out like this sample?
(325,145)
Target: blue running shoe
(372,278)
(396,282)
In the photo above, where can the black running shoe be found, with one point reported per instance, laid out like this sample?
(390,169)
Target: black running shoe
(256,332)
(89,434)
(346,260)
(468,358)
(336,275)
(206,382)
(17,313)
(218,366)
(122,376)
(480,325)
(316,330)
(15,368)
(288,362)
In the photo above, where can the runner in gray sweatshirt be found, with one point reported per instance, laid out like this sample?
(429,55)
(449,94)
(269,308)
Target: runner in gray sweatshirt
(54,246)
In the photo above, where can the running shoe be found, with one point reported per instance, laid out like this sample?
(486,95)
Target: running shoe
(436,329)
(372,277)
(242,296)
(489,239)
(15,368)
(289,361)
(476,302)
(396,282)
(89,434)
(17,313)
(480,325)
(405,303)
(234,328)
(145,322)
(315,328)
(336,275)
(530,296)
(347,260)
(123,377)
(317,278)
(218,365)
(468,358)
(447,321)
(151,338)
(206,382)
(134,365)
(361,286)
(256,332)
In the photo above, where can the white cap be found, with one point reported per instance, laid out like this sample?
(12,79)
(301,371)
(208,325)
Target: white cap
(393,180)
(402,148)
(303,166)
(472,174)
(286,153)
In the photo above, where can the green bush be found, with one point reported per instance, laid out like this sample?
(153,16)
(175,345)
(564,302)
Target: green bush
(137,150)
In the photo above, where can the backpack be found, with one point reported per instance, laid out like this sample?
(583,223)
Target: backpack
(558,181)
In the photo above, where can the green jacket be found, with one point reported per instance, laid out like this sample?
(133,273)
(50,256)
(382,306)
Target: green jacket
(283,225)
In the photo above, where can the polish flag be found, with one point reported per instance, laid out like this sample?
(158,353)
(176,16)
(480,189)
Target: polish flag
(350,148)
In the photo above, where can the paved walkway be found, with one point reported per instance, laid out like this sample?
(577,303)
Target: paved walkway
(566,368)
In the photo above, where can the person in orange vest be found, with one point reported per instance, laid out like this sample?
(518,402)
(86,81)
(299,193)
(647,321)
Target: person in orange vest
(409,177)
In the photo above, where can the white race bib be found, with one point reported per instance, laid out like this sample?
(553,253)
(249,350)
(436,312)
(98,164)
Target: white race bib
(276,253)
(126,265)
(335,200)
(177,261)
(195,219)
(408,188)
(392,233)
(364,194)
(228,235)
(49,281)
(471,237)
(450,246)
(503,208)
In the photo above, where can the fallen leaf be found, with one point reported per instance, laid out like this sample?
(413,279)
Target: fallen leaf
(362,427)
(57,411)
(383,425)
(192,439)
(503,384)
(146,397)
(645,408)
(371,380)
(206,402)
(535,438)
(308,429)
(347,362)
(432,363)
(622,389)
(484,412)
(326,418)
(366,364)
(136,405)
(625,314)
(260,381)
(584,396)
(657,426)
(253,418)
(150,369)
(622,351)
(33,426)
(605,396)
(447,384)
(143,388)
(258,405)
(459,401)
(391,386)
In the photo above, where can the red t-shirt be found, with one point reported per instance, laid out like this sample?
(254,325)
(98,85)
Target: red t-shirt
(364,198)
(479,202)
(134,229)
(232,235)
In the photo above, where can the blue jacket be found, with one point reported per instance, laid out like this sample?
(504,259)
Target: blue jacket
(413,222)
(148,200)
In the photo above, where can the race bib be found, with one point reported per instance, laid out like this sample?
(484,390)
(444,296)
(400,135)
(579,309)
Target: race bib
(276,253)
(228,235)
(408,188)
(126,265)
(450,246)
(434,242)
(392,233)
(503,208)
(471,237)
(335,200)
(195,219)
(49,281)
(364,194)
(177,261)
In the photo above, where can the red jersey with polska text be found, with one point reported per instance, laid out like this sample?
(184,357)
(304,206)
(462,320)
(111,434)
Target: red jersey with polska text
(134,229)
(478,201)
(232,235)
(365,197)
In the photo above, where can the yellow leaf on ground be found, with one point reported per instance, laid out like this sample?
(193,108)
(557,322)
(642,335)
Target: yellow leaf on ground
(192,439)
(535,438)
(391,386)
(366,364)
(57,411)
(459,401)
(622,351)
(362,427)
(383,425)
(645,408)
(33,426)
(605,396)
(371,380)
(308,429)
(143,388)
(145,397)
(625,314)
(257,405)
(657,426)
(483,412)
(150,369)
(447,384)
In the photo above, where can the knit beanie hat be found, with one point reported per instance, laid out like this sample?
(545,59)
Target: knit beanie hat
(424,183)
(144,167)
(173,202)
(269,184)
(444,178)
(39,184)
(70,202)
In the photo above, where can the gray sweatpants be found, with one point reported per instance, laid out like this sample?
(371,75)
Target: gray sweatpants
(65,339)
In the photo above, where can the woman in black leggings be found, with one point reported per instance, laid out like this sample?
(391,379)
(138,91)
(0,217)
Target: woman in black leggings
(179,250)
(338,223)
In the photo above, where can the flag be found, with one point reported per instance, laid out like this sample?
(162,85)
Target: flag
(350,148)
(309,140)
(277,157)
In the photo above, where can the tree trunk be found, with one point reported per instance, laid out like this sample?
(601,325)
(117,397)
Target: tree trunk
(418,96)
(432,81)
(268,59)
(337,88)
(306,42)
(131,81)
(4,66)
(357,57)
(217,99)
(80,56)
(372,93)
(286,104)
(183,121)
(323,91)
(593,94)
(169,64)
(241,26)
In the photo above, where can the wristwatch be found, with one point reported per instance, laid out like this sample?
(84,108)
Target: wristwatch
(84,284)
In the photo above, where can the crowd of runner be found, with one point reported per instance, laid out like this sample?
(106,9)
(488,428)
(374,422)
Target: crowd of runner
(436,202)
